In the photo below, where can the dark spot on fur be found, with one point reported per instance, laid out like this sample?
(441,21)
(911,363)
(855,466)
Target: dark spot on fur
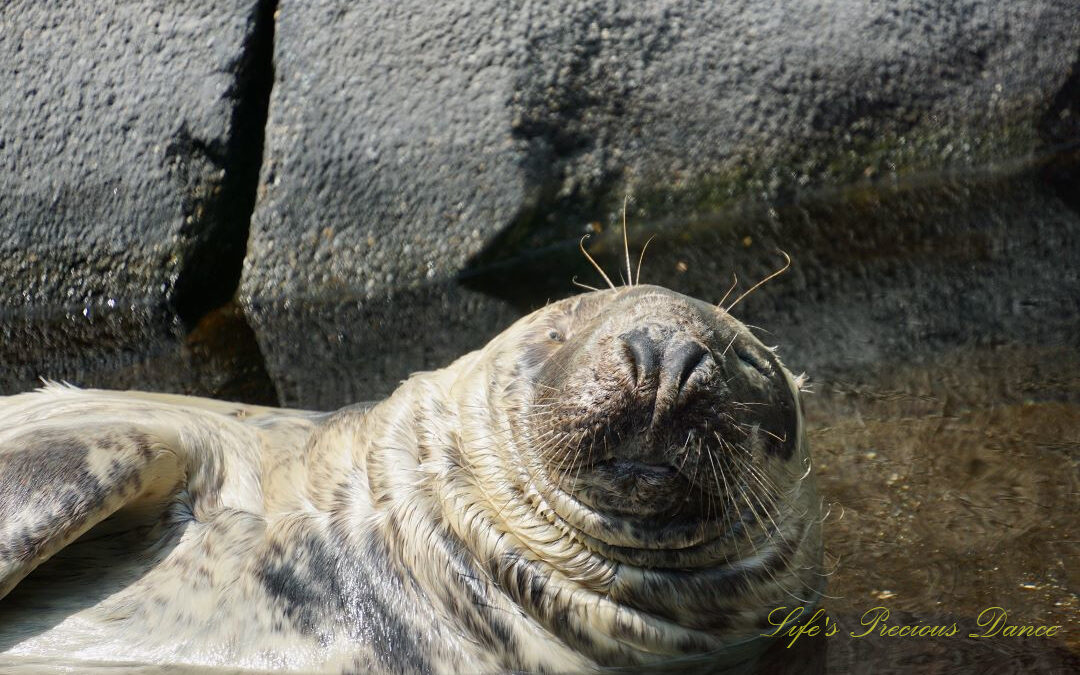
(468,593)
(324,587)
(46,475)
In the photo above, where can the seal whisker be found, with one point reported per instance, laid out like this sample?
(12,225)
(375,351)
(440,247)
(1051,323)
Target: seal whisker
(746,460)
(769,491)
(712,498)
(777,532)
(626,243)
(581,245)
(551,446)
(746,464)
(766,431)
(587,287)
(575,465)
(765,498)
(732,507)
(724,353)
(570,456)
(759,284)
(734,283)
(557,444)
(685,453)
(757,516)
(641,258)
(788,565)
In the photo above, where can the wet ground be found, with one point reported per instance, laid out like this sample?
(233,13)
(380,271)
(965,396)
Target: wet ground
(940,327)
(946,501)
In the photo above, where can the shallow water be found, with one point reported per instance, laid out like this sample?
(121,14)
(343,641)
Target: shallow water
(947,502)
(940,327)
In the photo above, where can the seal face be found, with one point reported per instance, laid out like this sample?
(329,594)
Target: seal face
(618,479)
(665,444)
(653,413)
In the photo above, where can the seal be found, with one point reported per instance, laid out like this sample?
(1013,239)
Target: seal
(619,479)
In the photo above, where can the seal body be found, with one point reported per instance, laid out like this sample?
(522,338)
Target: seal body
(620,479)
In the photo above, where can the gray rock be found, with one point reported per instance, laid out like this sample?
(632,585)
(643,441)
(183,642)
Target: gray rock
(331,353)
(410,145)
(408,141)
(430,169)
(390,152)
(135,348)
(128,146)
(980,263)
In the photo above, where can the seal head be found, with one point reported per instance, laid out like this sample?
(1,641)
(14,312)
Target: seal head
(663,445)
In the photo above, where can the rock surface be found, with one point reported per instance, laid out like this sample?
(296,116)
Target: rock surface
(410,147)
(128,144)
(324,355)
(985,263)
(406,139)
(429,170)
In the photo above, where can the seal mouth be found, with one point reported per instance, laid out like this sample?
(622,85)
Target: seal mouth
(633,475)
(630,487)
(639,470)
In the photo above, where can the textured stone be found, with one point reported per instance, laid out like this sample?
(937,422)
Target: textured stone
(136,348)
(406,138)
(126,141)
(879,280)
(328,354)
(430,169)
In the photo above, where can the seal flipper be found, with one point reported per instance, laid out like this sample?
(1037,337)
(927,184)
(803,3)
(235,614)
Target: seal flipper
(57,482)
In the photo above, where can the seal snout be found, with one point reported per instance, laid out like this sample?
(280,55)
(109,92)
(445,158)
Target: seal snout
(663,361)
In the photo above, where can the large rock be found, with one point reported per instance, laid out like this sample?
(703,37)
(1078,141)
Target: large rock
(328,354)
(404,138)
(418,153)
(128,150)
(413,146)
(136,348)
(879,281)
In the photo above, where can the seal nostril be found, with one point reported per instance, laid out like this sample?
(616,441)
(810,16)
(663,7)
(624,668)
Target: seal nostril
(680,361)
(642,353)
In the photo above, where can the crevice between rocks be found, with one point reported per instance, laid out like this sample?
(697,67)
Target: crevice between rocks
(210,272)
(1060,131)
(220,344)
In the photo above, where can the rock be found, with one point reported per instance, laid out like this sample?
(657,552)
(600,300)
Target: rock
(327,354)
(430,169)
(984,263)
(407,142)
(136,348)
(899,276)
(128,152)
(391,157)
(412,147)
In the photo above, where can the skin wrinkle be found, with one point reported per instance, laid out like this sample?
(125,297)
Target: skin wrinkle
(549,503)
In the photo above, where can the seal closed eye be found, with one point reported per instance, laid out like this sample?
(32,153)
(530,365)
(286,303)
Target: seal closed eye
(619,479)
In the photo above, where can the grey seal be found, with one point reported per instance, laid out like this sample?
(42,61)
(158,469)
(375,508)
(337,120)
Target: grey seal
(619,479)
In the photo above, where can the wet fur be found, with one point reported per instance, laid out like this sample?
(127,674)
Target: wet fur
(412,537)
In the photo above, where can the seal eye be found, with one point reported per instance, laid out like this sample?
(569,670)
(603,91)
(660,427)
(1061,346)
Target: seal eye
(555,335)
(753,360)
